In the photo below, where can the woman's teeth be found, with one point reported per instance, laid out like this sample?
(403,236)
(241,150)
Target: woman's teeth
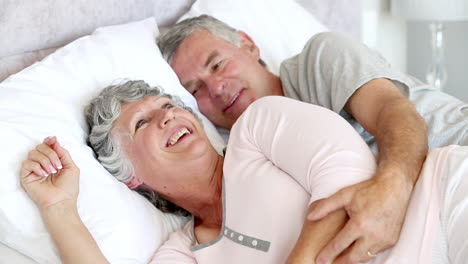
(178,135)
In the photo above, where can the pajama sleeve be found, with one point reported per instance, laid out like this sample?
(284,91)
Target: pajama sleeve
(315,146)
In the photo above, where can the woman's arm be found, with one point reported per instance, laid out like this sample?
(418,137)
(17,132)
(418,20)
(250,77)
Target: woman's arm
(315,235)
(382,201)
(72,238)
(313,145)
(343,74)
(51,179)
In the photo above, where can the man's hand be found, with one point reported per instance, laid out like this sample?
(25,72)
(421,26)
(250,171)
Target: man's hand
(376,209)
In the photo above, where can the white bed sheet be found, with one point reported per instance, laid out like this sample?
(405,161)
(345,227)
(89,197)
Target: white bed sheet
(9,256)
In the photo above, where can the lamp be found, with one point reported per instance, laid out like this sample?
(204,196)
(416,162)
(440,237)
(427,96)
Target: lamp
(435,11)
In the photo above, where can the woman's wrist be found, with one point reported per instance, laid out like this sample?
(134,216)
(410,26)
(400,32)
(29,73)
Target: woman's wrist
(63,222)
(60,210)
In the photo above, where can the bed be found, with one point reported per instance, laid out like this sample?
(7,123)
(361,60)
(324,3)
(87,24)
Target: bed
(56,55)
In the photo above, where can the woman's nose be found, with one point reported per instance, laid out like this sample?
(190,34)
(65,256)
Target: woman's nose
(166,115)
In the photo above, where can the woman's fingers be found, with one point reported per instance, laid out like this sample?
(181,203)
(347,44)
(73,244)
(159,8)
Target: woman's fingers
(63,155)
(50,142)
(61,184)
(42,159)
(31,167)
(47,158)
(343,240)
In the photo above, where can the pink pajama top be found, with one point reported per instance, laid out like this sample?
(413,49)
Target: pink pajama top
(282,156)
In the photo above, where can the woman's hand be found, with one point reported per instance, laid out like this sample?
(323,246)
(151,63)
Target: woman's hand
(51,179)
(49,175)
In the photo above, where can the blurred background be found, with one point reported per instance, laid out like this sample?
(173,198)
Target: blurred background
(407,44)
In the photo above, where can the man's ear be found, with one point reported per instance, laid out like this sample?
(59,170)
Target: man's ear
(247,44)
(134,183)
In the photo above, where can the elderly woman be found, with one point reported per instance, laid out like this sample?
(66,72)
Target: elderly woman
(251,205)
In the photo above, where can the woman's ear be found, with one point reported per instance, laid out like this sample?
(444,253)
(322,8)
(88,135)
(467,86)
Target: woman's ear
(134,183)
(247,44)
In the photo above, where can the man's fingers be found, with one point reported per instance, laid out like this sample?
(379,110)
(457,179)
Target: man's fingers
(322,208)
(343,240)
(358,253)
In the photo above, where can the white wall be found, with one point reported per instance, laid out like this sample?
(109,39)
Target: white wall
(384,32)
(456,55)
(406,45)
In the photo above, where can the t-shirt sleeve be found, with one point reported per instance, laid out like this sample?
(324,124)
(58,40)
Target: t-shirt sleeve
(315,146)
(332,67)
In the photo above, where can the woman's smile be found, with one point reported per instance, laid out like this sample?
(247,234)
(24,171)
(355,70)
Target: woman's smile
(178,134)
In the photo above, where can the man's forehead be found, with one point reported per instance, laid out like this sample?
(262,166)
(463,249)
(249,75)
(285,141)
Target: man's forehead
(192,55)
(200,41)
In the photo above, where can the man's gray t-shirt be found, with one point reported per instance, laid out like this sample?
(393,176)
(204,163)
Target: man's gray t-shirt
(332,67)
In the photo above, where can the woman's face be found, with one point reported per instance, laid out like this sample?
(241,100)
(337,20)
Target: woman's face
(165,143)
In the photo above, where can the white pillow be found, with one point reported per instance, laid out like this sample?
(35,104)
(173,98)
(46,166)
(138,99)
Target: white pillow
(280,28)
(48,99)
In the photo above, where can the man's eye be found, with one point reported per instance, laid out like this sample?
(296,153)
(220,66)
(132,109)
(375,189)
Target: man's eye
(195,90)
(167,106)
(140,123)
(216,66)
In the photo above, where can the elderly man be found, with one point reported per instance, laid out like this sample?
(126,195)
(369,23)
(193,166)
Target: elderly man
(222,68)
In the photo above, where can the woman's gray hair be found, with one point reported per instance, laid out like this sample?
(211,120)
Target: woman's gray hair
(169,41)
(100,116)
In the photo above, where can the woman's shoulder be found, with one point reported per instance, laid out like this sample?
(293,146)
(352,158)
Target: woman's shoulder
(177,247)
(272,112)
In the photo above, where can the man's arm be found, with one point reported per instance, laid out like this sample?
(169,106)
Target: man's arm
(399,130)
(377,207)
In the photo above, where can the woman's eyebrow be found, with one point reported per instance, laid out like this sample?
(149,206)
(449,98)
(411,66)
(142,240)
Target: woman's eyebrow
(132,119)
(142,108)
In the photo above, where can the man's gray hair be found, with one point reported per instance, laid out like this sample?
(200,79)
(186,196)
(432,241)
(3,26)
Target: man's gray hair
(169,41)
(100,116)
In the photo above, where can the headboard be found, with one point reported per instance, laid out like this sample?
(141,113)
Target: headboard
(32,29)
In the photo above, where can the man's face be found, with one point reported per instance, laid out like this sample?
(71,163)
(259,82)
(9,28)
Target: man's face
(224,79)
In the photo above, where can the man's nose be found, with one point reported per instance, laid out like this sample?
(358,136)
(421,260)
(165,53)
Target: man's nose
(215,86)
